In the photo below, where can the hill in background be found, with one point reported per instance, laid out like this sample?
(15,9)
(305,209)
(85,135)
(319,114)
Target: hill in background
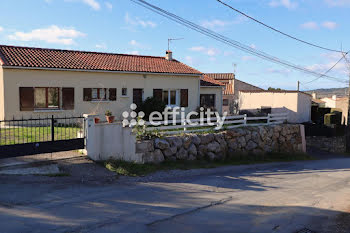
(329,92)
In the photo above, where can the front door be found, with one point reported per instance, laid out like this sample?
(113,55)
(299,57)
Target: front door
(137,96)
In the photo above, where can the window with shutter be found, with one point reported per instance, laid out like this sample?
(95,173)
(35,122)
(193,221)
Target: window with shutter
(68,98)
(112,94)
(158,94)
(26,98)
(184,98)
(87,94)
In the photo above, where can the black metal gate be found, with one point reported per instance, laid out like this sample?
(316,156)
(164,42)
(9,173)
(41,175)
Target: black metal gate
(19,137)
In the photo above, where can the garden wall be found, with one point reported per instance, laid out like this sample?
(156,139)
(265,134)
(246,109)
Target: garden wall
(218,146)
(330,144)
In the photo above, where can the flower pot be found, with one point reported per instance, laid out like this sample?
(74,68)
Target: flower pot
(110,119)
(97,120)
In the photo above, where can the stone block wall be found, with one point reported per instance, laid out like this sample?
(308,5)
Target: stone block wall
(218,146)
(329,144)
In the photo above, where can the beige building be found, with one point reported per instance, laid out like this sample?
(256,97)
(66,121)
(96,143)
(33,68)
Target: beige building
(339,103)
(35,81)
(297,104)
(232,86)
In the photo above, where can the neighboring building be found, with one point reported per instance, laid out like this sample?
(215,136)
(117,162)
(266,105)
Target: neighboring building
(231,90)
(338,103)
(297,104)
(36,81)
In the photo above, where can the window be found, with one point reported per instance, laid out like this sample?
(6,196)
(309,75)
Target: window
(46,97)
(32,98)
(100,94)
(207,100)
(225,102)
(171,97)
(124,91)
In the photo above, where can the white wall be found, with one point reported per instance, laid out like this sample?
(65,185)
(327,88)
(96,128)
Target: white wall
(297,105)
(15,78)
(110,141)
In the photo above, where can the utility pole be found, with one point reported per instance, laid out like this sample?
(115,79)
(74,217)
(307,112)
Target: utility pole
(348,66)
(298,85)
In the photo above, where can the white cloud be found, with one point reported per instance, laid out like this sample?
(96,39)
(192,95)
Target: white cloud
(207,51)
(248,58)
(189,60)
(134,43)
(217,23)
(52,34)
(135,52)
(329,25)
(1,29)
(138,22)
(289,4)
(109,5)
(228,53)
(336,3)
(102,46)
(93,4)
(310,25)
(340,68)
(278,71)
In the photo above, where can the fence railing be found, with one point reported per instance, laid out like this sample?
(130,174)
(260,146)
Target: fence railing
(40,129)
(181,126)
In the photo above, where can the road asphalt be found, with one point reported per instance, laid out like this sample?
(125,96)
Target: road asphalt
(266,198)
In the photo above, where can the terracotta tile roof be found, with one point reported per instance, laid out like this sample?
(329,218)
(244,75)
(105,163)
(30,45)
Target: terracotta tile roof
(206,81)
(14,56)
(228,89)
(221,76)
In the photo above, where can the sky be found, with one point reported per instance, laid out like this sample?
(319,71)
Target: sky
(121,26)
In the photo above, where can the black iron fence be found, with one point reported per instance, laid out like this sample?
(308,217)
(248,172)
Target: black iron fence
(41,135)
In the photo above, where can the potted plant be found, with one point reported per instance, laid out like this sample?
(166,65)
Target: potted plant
(109,116)
(97,120)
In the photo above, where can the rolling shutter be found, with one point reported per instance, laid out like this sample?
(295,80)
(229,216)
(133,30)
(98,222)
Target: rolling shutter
(68,98)
(112,94)
(158,94)
(26,98)
(184,98)
(87,94)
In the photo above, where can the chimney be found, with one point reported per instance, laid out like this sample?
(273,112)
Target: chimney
(334,97)
(314,95)
(169,55)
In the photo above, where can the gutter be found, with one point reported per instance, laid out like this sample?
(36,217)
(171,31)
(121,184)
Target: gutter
(94,71)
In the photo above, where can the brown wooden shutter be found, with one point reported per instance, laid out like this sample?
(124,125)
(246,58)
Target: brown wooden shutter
(68,98)
(26,98)
(112,94)
(158,94)
(87,94)
(184,98)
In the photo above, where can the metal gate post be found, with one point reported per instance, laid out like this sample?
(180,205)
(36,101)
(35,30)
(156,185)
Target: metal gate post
(52,128)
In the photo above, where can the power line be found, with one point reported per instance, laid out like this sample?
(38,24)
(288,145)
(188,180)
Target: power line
(229,41)
(344,56)
(277,30)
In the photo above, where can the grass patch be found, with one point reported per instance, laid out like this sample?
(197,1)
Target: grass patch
(11,136)
(133,169)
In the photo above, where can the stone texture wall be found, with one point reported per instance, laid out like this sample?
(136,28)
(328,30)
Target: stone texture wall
(329,144)
(218,146)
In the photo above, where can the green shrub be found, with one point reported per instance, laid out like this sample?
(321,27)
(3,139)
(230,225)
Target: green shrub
(150,105)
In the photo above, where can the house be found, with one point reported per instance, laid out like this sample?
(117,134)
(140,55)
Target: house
(231,90)
(297,104)
(340,104)
(211,93)
(37,81)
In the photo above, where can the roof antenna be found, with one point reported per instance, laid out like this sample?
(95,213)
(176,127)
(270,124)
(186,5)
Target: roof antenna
(171,39)
(234,68)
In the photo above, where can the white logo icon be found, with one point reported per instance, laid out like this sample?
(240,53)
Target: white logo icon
(136,118)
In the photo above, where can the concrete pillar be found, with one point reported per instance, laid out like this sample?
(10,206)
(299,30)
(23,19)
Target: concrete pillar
(303,139)
(91,139)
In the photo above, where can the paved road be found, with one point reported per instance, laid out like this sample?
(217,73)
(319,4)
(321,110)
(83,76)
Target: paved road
(256,198)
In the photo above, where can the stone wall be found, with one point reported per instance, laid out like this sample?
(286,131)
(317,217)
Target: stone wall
(329,144)
(218,146)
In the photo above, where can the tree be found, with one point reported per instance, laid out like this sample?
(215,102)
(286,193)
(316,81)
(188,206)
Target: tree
(274,89)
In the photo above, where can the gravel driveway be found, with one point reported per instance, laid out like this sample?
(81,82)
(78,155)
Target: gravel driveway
(278,197)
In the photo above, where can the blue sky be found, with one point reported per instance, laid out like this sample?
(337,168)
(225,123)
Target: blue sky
(120,26)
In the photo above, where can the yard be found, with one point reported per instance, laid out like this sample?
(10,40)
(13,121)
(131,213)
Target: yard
(21,135)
